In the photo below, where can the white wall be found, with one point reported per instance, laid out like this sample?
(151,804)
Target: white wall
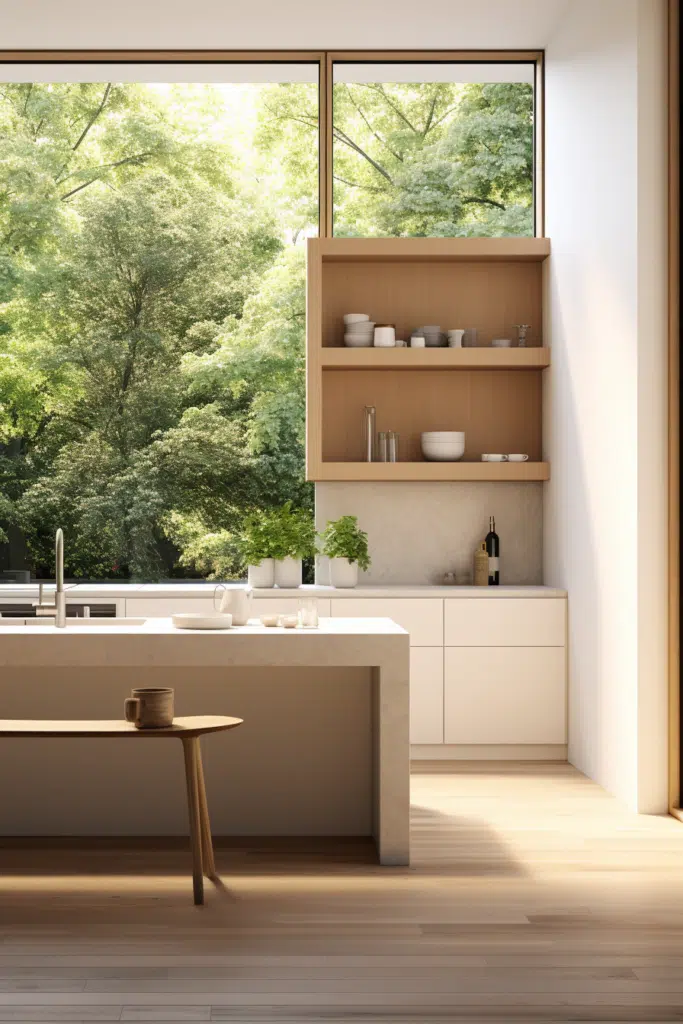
(276,24)
(418,531)
(605,430)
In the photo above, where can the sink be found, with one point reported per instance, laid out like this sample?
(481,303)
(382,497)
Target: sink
(70,623)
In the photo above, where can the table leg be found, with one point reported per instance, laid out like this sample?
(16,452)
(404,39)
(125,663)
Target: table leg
(205,825)
(190,744)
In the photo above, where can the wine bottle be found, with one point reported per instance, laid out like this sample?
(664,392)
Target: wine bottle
(493,550)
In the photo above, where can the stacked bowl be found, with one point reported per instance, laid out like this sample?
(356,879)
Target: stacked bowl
(358,330)
(432,336)
(443,445)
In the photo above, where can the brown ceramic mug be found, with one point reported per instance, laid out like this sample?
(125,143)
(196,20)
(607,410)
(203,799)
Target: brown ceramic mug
(149,708)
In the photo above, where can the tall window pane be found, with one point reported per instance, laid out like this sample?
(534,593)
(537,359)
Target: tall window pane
(433,149)
(152,226)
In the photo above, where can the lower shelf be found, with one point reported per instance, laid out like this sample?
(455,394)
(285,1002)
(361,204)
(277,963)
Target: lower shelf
(429,471)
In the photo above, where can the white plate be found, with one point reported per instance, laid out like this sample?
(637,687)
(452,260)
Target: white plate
(194,620)
(355,318)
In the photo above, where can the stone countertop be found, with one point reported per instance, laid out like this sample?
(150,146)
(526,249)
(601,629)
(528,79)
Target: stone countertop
(15,592)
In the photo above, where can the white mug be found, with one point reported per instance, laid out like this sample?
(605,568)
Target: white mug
(417,341)
(517,458)
(494,458)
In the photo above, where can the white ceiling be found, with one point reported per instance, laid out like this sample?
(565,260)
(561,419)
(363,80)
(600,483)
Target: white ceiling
(279,24)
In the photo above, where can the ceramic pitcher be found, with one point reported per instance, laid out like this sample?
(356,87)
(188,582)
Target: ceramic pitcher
(236,601)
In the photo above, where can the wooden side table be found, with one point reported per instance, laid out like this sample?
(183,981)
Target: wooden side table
(189,731)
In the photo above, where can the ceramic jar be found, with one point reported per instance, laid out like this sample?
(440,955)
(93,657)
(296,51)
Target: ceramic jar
(343,573)
(288,572)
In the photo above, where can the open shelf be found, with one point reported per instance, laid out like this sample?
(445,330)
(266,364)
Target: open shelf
(338,358)
(395,471)
(494,395)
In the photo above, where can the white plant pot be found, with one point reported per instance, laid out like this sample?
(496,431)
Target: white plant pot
(288,572)
(261,575)
(343,573)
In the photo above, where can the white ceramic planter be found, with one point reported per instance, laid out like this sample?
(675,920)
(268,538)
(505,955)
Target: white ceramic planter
(288,572)
(261,575)
(343,573)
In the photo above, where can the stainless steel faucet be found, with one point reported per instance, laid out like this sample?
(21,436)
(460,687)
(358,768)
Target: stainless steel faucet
(58,609)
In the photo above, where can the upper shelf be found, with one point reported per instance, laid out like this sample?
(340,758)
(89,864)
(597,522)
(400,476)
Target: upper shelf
(340,250)
(339,358)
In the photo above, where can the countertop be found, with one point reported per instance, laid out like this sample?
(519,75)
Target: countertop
(111,591)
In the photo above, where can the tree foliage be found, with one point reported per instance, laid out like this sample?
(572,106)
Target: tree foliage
(152,293)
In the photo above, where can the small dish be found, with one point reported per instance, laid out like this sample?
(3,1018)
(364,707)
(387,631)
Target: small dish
(288,621)
(494,458)
(196,620)
(518,458)
(270,620)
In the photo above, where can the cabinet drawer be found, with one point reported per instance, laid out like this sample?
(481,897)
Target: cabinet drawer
(285,606)
(164,607)
(421,617)
(504,695)
(505,622)
(426,695)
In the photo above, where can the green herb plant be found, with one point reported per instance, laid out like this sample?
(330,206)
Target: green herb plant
(343,538)
(279,533)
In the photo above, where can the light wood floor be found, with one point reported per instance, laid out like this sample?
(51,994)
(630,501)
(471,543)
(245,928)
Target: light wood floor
(533,896)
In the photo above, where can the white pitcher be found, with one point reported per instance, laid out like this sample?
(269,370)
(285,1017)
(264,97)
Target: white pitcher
(236,601)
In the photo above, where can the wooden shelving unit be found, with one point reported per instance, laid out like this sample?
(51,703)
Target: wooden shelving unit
(494,395)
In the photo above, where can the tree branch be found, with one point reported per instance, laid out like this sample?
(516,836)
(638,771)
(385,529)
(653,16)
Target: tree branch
(486,202)
(93,118)
(357,184)
(343,137)
(138,158)
(369,126)
(430,115)
(397,110)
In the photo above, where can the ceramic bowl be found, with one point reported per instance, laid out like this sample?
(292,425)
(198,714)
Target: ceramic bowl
(355,318)
(435,452)
(198,620)
(452,436)
(351,341)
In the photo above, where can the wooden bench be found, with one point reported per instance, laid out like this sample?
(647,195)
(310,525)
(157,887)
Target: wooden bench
(188,731)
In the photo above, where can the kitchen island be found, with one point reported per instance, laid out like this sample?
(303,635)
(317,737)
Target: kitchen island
(324,750)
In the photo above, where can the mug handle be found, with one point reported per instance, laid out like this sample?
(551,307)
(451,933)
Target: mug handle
(505,459)
(216,589)
(131,709)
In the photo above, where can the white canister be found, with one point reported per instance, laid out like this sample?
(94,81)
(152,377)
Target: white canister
(288,572)
(417,341)
(385,336)
(343,573)
(261,575)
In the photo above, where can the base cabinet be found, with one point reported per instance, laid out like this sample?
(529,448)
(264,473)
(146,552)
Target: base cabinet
(426,694)
(510,695)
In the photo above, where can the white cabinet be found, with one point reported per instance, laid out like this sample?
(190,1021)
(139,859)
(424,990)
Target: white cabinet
(164,607)
(421,617)
(510,695)
(286,606)
(426,695)
(505,622)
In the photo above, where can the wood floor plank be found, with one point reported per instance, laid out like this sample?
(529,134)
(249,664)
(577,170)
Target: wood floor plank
(532,896)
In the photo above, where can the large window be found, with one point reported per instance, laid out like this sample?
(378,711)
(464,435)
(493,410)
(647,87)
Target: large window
(153,220)
(436,149)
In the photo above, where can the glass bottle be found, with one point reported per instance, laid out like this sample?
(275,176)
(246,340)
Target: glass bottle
(369,435)
(383,446)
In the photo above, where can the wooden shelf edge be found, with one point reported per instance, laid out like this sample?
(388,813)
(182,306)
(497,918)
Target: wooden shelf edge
(522,248)
(340,358)
(426,471)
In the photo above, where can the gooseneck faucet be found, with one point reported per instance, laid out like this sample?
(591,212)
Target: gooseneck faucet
(60,596)
(58,609)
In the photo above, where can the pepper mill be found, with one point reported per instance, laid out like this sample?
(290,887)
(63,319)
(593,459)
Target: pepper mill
(521,334)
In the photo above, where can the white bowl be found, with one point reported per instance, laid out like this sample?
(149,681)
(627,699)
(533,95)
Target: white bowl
(367,325)
(442,452)
(196,620)
(443,435)
(355,318)
(351,341)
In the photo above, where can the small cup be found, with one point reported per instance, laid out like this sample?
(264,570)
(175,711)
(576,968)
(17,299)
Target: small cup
(288,621)
(494,458)
(149,707)
(518,458)
(417,341)
(270,620)
(469,338)
(308,613)
(501,343)
(385,337)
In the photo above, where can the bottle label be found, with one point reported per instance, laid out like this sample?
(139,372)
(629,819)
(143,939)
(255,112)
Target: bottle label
(493,564)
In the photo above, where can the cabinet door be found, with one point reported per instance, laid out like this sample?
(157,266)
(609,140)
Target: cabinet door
(505,622)
(422,617)
(426,695)
(504,695)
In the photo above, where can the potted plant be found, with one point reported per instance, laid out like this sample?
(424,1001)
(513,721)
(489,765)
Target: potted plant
(346,546)
(257,549)
(293,536)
